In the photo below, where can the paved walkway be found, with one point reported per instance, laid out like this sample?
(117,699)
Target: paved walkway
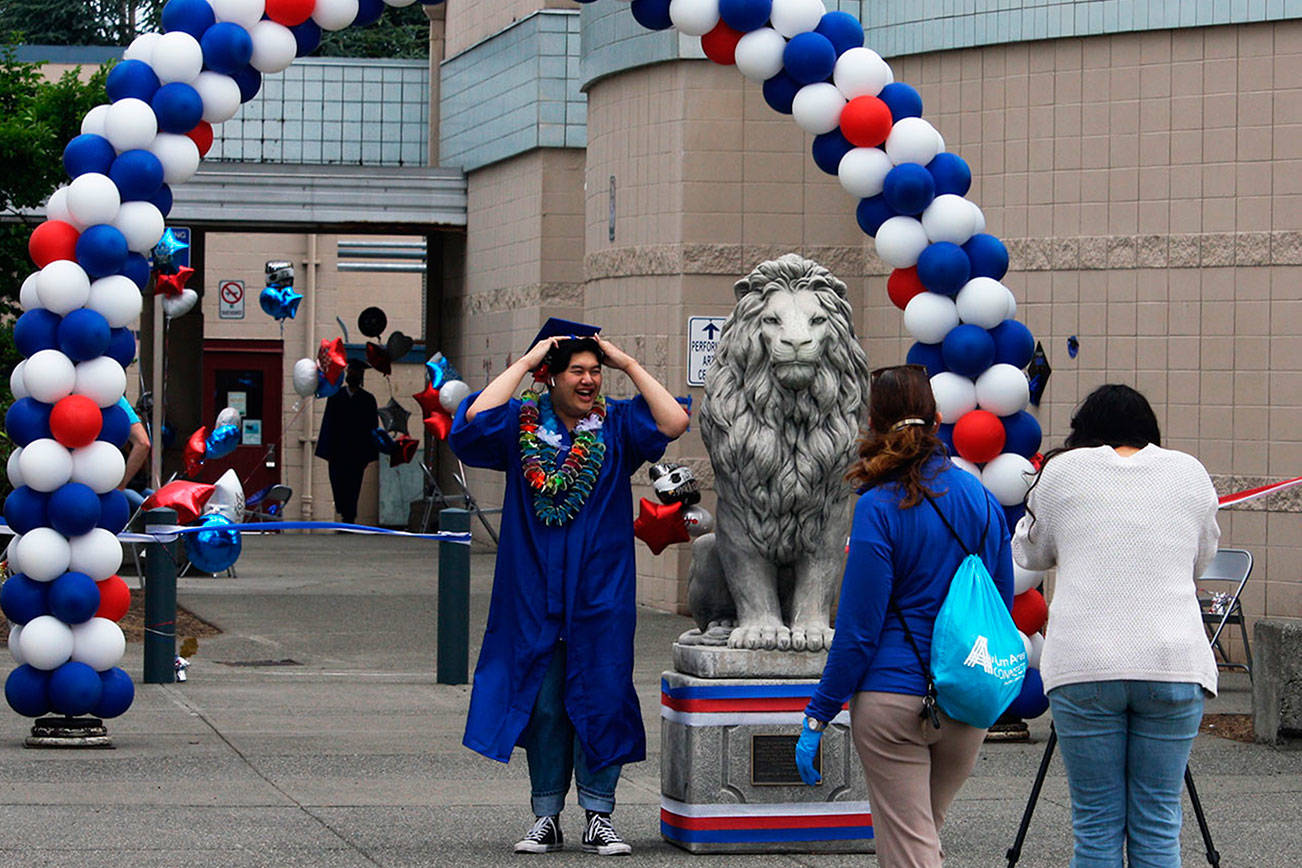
(346,753)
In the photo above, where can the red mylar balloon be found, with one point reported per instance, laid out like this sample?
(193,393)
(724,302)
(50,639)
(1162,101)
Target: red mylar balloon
(51,241)
(378,357)
(659,524)
(903,285)
(866,121)
(75,421)
(172,284)
(290,12)
(438,424)
(404,449)
(979,436)
(201,135)
(1030,611)
(195,447)
(184,496)
(720,44)
(428,398)
(114,598)
(330,359)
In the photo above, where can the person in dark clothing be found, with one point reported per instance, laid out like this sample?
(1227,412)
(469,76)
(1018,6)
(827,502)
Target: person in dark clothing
(345,440)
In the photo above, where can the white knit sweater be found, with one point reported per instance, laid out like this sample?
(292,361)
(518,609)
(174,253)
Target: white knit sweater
(1128,535)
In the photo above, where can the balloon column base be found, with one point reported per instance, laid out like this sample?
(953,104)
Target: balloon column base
(1015,730)
(78,732)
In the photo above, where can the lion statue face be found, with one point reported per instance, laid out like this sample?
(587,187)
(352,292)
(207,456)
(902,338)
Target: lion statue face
(795,330)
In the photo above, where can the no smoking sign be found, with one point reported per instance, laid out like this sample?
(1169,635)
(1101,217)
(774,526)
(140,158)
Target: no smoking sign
(230,299)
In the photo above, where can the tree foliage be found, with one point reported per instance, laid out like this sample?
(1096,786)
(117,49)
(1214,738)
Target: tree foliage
(402,32)
(78,22)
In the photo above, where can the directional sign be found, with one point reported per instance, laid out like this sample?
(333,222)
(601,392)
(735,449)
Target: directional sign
(702,338)
(230,299)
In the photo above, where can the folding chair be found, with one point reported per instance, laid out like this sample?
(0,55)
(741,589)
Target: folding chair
(1219,590)
(268,504)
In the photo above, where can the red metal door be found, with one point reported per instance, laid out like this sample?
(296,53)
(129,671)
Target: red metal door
(247,375)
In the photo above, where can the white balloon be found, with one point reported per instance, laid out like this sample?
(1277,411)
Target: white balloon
(912,140)
(1026,644)
(177,57)
(304,377)
(62,286)
(245,13)
(179,305)
(955,395)
(94,120)
(99,465)
(274,47)
(142,47)
(452,394)
(1012,304)
(17,384)
(964,464)
(948,218)
(1037,650)
(334,14)
(13,468)
(116,298)
(49,375)
(56,208)
(220,94)
(929,316)
(863,170)
(983,301)
(45,465)
(42,554)
(697,520)
(817,108)
(694,17)
(759,54)
(16,636)
(790,17)
(179,156)
(98,554)
(102,380)
(900,241)
(28,297)
(93,198)
(978,217)
(98,643)
(398,3)
(1003,390)
(46,642)
(131,124)
(228,416)
(1008,476)
(227,496)
(141,223)
(861,72)
(1024,579)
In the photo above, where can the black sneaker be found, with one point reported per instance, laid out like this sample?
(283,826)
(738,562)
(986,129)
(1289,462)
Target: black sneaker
(601,838)
(544,837)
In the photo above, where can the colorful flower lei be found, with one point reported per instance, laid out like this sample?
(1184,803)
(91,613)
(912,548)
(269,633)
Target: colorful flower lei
(559,492)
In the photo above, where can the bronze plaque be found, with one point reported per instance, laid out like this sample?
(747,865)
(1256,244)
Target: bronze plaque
(773,761)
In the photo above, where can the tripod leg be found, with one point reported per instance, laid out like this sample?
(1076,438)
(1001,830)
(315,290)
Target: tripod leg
(1213,857)
(1015,852)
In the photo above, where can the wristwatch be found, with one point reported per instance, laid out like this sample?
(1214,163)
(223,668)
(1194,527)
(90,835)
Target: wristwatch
(814,725)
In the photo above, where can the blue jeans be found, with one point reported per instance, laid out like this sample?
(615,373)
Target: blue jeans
(555,754)
(1126,745)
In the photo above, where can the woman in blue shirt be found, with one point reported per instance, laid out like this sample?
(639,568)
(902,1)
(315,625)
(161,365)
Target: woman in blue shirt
(898,570)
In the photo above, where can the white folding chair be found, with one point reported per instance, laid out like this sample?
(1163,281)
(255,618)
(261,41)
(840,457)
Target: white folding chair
(1220,588)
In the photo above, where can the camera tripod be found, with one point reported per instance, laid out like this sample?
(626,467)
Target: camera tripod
(1015,852)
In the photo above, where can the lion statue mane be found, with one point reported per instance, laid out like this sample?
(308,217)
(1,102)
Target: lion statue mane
(780,418)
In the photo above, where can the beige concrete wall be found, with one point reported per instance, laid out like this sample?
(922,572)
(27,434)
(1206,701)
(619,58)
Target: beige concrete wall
(472,21)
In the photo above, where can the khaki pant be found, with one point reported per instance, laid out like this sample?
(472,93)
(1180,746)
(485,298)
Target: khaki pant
(914,771)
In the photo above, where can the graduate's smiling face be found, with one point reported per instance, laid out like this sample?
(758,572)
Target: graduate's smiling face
(574,390)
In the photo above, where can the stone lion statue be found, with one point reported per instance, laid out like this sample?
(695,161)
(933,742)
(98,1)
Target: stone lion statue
(780,418)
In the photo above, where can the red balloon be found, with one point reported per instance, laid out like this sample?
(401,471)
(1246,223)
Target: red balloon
(866,121)
(75,421)
(290,12)
(903,285)
(114,598)
(172,284)
(1030,611)
(979,436)
(201,135)
(428,398)
(184,496)
(405,449)
(378,357)
(51,241)
(439,424)
(660,524)
(195,447)
(330,359)
(720,44)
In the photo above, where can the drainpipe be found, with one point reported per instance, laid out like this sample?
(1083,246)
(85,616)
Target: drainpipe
(308,437)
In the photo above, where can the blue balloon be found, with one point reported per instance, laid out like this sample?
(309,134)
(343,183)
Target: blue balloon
(137,269)
(217,547)
(927,355)
(1031,701)
(902,100)
(178,108)
(842,29)
(23,599)
(84,335)
(162,200)
(114,511)
(1013,514)
(943,268)
(74,509)
(227,48)
(169,435)
(188,16)
(654,14)
(26,509)
(279,302)
(809,57)
(872,212)
(368,12)
(36,330)
(909,188)
(988,255)
(383,441)
(74,688)
(88,153)
(26,691)
(101,250)
(1022,434)
(116,693)
(780,92)
(307,36)
(951,174)
(221,441)
(745,15)
(249,81)
(968,349)
(945,433)
(1014,343)
(116,426)
(131,78)
(438,370)
(138,173)
(121,346)
(27,419)
(325,388)
(74,598)
(828,150)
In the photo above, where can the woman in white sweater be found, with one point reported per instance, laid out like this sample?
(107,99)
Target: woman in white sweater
(1129,526)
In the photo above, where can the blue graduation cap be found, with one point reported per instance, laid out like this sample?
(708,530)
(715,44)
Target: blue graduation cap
(564,328)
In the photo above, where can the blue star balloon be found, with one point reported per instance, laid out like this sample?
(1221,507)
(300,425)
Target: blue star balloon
(440,370)
(166,249)
(217,547)
(280,302)
(221,442)
(383,441)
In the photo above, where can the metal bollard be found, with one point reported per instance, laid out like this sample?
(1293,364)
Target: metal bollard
(454,601)
(160,603)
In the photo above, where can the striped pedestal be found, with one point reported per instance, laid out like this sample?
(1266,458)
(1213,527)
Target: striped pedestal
(714,774)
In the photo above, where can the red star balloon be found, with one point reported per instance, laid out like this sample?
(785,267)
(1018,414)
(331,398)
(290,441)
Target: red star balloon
(428,399)
(378,357)
(404,449)
(438,424)
(195,447)
(184,496)
(330,359)
(172,284)
(659,524)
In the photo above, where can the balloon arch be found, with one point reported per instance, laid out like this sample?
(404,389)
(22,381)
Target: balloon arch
(105,239)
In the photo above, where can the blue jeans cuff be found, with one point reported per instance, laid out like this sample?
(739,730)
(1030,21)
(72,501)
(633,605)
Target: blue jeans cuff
(548,804)
(602,803)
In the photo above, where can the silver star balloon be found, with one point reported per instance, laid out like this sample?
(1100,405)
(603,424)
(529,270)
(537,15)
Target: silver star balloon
(394,417)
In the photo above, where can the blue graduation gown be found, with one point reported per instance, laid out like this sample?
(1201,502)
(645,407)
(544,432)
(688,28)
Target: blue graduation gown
(575,582)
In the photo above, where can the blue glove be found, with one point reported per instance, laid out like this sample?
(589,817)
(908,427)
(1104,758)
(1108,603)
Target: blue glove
(806,750)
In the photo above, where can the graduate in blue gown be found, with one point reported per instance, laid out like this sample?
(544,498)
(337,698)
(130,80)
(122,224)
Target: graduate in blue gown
(555,671)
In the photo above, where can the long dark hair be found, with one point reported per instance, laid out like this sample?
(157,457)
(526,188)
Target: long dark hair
(901,433)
